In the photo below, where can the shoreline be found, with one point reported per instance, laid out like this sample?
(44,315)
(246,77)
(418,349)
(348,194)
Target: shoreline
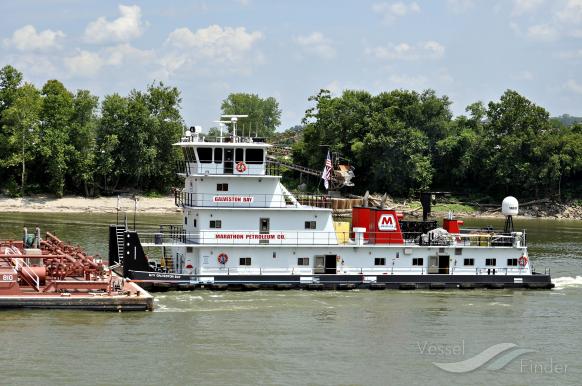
(166,205)
(76,204)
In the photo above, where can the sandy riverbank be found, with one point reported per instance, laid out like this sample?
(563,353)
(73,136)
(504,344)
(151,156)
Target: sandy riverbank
(74,204)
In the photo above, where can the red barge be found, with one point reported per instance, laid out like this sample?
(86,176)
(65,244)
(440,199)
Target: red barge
(49,273)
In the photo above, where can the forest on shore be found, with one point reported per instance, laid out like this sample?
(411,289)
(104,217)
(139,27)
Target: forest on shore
(57,141)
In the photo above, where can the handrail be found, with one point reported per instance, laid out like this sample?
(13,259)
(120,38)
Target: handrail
(366,271)
(176,234)
(20,265)
(251,200)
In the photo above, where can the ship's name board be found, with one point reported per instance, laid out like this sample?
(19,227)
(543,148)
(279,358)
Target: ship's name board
(245,199)
(249,236)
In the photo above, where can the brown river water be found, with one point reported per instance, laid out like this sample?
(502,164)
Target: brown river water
(356,337)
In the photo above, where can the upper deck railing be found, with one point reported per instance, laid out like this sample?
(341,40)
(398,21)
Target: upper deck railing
(250,200)
(192,168)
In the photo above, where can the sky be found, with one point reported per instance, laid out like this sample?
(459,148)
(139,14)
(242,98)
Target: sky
(469,50)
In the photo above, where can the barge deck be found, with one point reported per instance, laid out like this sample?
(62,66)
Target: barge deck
(51,274)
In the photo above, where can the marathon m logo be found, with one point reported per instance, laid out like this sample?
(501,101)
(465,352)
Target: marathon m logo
(387,222)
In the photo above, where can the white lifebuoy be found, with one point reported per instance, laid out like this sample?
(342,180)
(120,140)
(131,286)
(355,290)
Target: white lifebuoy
(522,261)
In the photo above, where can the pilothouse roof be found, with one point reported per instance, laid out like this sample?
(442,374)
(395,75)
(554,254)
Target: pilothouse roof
(194,137)
(222,144)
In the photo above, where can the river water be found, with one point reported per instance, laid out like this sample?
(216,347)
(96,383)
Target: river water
(300,337)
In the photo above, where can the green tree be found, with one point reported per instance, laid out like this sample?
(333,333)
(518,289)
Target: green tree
(111,131)
(511,148)
(82,138)
(387,136)
(55,144)
(20,135)
(264,115)
(135,138)
(167,127)
(456,156)
(10,81)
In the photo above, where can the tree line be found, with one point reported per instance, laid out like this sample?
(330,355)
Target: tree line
(53,140)
(402,142)
(56,141)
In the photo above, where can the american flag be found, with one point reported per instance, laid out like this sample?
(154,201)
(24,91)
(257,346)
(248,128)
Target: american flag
(326,176)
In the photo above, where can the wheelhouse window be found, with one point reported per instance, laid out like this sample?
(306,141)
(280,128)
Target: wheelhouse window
(491,262)
(512,262)
(222,187)
(215,224)
(418,261)
(244,261)
(254,156)
(205,155)
(303,261)
(380,261)
(310,224)
(239,155)
(469,262)
(218,155)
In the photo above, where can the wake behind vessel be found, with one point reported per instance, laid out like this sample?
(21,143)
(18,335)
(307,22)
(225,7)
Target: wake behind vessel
(242,229)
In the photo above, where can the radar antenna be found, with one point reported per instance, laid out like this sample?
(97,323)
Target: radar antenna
(233,120)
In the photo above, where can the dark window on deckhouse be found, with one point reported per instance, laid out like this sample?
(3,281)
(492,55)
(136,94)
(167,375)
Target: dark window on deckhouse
(205,155)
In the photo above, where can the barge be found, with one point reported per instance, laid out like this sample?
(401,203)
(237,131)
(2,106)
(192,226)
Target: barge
(48,273)
(243,229)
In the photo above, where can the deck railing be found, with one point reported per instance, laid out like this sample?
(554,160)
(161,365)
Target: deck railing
(250,200)
(176,234)
(366,271)
(268,168)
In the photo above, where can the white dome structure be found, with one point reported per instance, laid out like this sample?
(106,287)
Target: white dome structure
(510,206)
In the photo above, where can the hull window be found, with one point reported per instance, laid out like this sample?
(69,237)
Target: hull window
(491,262)
(245,261)
(264,229)
(469,262)
(303,261)
(380,261)
(310,224)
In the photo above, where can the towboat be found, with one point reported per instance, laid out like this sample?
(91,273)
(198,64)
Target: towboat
(243,229)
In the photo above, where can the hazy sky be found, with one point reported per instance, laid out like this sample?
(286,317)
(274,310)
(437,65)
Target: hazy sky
(467,49)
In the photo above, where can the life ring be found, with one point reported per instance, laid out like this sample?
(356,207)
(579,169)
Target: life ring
(523,261)
(241,167)
(222,258)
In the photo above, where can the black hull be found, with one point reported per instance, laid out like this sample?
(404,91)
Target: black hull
(155,281)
